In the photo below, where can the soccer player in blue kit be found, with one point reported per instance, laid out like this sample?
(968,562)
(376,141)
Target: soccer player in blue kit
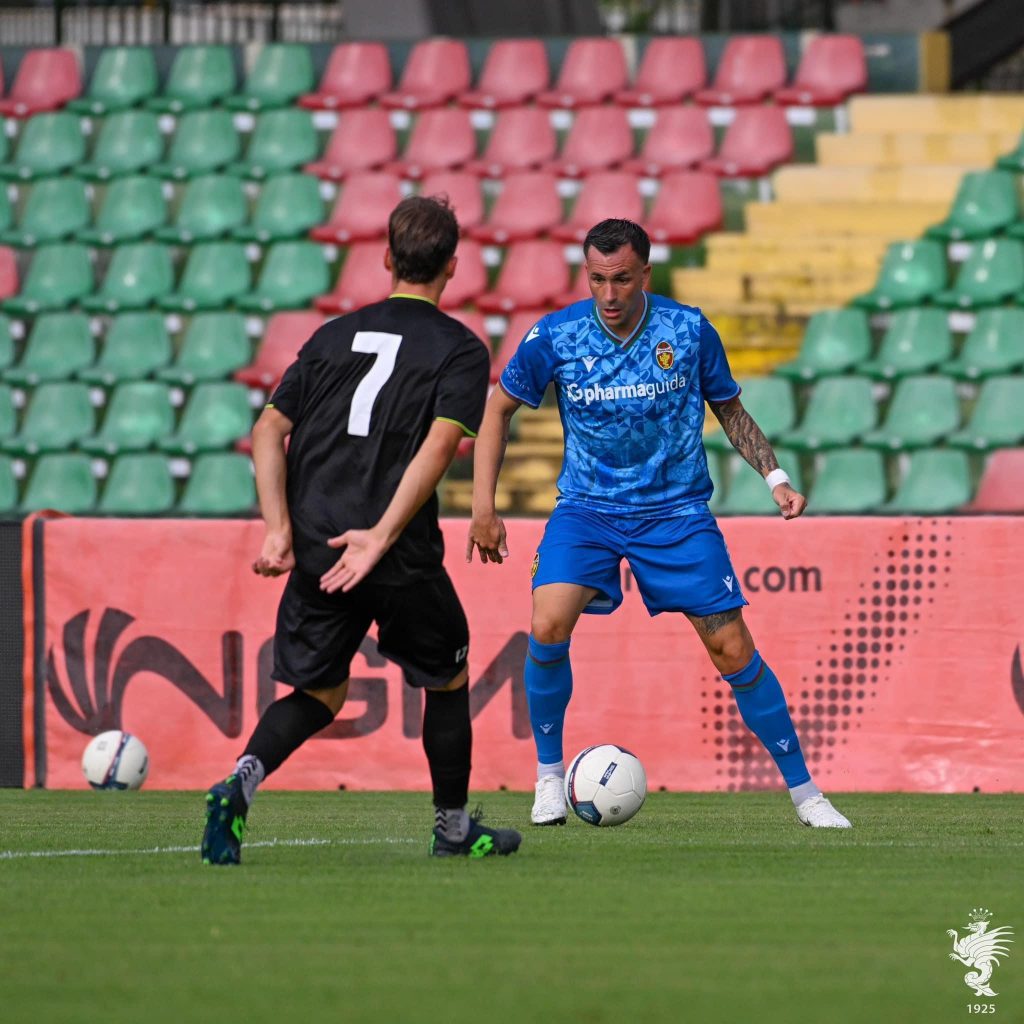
(632,372)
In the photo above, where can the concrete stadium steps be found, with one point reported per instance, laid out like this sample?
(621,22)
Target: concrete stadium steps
(909,183)
(882,219)
(978,150)
(750,253)
(945,114)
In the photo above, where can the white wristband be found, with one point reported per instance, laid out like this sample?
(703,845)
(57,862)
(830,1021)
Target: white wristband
(776,477)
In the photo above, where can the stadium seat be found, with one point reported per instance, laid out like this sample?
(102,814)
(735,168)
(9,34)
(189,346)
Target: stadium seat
(836,341)
(216,415)
(59,275)
(289,206)
(59,413)
(363,140)
(475,321)
(911,273)
(6,211)
(519,325)
(923,410)
(283,140)
(593,71)
(687,206)
(124,76)
(8,274)
(129,141)
(746,494)
(514,71)
(63,482)
(436,71)
(995,345)
(220,484)
(214,347)
(282,73)
(441,139)
(527,206)
(848,481)
(1014,160)
(961,150)
(45,81)
(363,280)
(136,345)
(362,208)
(356,74)
(522,139)
(986,203)
(578,290)
(832,68)
(750,69)
(470,278)
(533,273)
(671,70)
(937,480)
(463,192)
(839,410)
(205,141)
(758,140)
(600,138)
(48,144)
(139,274)
(211,206)
(1002,483)
(138,414)
(201,76)
(604,194)
(131,209)
(678,140)
(285,334)
(58,345)
(216,273)
(8,412)
(997,420)
(915,341)
(769,400)
(54,209)
(138,484)
(8,485)
(992,274)
(7,353)
(293,273)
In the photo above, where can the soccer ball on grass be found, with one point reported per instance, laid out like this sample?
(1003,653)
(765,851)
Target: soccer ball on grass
(605,785)
(115,760)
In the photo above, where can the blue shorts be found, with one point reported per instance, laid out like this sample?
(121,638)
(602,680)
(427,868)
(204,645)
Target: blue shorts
(680,563)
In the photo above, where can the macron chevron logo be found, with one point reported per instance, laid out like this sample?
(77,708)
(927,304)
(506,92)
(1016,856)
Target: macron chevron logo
(534,331)
(784,744)
(727,580)
(588,362)
(546,728)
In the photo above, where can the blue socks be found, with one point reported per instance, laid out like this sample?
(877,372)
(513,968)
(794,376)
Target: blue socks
(548,679)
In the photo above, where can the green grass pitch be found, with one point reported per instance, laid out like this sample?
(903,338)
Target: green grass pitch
(706,907)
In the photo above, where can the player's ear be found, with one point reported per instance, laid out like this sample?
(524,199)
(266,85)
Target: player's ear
(647,276)
(388,263)
(449,271)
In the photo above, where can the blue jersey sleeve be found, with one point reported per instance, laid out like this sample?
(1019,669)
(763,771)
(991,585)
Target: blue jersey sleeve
(716,380)
(531,368)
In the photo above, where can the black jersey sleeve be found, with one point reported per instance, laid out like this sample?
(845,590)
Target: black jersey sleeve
(462,392)
(287,396)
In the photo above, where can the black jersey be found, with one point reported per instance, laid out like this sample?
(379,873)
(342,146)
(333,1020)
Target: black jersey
(362,396)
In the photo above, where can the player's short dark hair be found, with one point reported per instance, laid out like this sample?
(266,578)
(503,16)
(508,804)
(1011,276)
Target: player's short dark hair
(612,234)
(422,236)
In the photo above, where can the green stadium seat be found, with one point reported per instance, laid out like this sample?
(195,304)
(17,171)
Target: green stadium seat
(137,344)
(747,494)
(200,77)
(7,352)
(937,480)
(995,345)
(985,204)
(212,206)
(215,274)
(139,484)
(770,401)
(923,410)
(8,485)
(4,147)
(129,142)
(59,275)
(205,141)
(54,209)
(59,413)
(283,140)
(848,481)
(911,273)
(124,76)
(63,482)
(289,206)
(216,415)
(839,410)
(215,345)
(139,274)
(916,340)
(220,484)
(8,413)
(132,208)
(992,274)
(138,414)
(6,212)
(1014,160)
(997,420)
(48,144)
(59,344)
(836,341)
(281,74)
(293,274)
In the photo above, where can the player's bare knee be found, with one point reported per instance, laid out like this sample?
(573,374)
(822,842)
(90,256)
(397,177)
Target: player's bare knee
(547,629)
(333,697)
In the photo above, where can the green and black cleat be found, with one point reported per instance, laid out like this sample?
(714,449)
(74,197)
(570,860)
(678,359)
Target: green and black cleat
(481,841)
(225,822)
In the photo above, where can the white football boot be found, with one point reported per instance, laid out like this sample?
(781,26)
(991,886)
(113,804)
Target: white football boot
(549,801)
(817,812)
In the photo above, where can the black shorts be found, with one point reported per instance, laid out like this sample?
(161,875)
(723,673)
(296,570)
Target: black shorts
(421,627)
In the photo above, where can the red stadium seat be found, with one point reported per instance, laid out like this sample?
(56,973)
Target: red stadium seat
(533,273)
(751,68)
(362,209)
(687,206)
(672,69)
(757,141)
(519,325)
(463,192)
(436,71)
(442,139)
(286,333)
(600,137)
(514,72)
(592,72)
(362,281)
(831,69)
(363,139)
(679,139)
(470,278)
(579,290)
(605,194)
(474,320)
(522,138)
(529,205)
(1002,483)
(8,273)
(356,73)
(45,81)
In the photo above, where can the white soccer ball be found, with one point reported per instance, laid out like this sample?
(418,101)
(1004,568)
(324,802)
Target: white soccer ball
(605,785)
(115,760)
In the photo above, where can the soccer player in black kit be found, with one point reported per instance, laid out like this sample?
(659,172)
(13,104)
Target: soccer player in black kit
(375,407)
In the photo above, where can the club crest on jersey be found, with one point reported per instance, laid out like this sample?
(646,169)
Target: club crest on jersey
(535,566)
(665,355)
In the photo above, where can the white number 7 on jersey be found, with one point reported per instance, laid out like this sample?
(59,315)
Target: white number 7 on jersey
(385,347)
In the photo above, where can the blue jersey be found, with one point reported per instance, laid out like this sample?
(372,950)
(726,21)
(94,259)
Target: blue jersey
(632,410)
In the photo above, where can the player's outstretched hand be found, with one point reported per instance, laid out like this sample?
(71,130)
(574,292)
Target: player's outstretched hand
(487,534)
(276,556)
(791,503)
(363,550)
